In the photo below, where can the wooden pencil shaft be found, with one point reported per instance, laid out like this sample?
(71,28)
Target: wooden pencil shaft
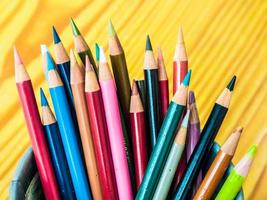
(213,176)
(160,151)
(41,152)
(70,142)
(205,142)
(59,161)
(101,144)
(86,138)
(152,102)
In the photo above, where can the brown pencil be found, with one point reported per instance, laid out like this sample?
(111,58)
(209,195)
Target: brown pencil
(77,86)
(218,167)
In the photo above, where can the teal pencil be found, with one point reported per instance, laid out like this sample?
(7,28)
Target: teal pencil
(164,142)
(172,161)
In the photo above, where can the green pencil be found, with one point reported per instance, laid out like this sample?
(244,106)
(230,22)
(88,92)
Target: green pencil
(172,161)
(164,142)
(234,181)
(81,46)
(35,191)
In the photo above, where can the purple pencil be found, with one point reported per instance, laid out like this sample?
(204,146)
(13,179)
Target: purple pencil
(193,133)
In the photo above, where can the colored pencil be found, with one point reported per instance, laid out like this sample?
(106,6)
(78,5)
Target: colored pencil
(218,167)
(56,150)
(97,56)
(172,160)
(165,140)
(205,142)
(120,72)
(63,66)
(35,128)
(138,130)
(193,135)
(152,92)
(24,173)
(44,49)
(68,132)
(81,46)
(163,85)
(113,118)
(180,61)
(77,85)
(34,191)
(142,91)
(234,181)
(99,134)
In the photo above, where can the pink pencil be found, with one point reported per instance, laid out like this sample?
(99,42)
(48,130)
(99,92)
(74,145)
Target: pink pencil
(111,106)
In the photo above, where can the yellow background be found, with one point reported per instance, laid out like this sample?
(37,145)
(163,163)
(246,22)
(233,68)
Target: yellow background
(223,38)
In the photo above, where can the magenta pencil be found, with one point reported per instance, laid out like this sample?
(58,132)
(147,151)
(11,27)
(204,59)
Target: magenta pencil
(193,134)
(115,131)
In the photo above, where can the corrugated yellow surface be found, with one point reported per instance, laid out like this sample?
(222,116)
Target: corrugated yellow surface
(222,38)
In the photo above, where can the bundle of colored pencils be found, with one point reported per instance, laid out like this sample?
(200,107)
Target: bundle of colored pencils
(109,140)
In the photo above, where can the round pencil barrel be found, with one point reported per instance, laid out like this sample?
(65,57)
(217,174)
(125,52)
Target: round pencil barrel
(234,181)
(208,134)
(173,159)
(35,128)
(218,167)
(166,136)
(138,130)
(77,86)
(100,134)
(56,150)
(68,133)
(115,131)
(152,93)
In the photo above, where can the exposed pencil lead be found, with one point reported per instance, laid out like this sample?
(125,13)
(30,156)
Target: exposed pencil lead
(231,84)
(148,43)
(55,36)
(102,57)
(111,30)
(134,88)
(44,49)
(97,52)
(44,101)
(186,80)
(252,151)
(17,58)
(50,62)
(180,36)
(191,98)
(74,28)
(160,56)
(88,65)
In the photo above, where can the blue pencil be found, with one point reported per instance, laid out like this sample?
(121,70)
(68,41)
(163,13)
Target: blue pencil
(68,132)
(56,150)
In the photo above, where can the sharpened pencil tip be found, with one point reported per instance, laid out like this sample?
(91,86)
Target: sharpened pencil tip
(180,36)
(50,62)
(17,58)
(186,119)
(186,80)
(252,151)
(111,30)
(55,36)
(231,84)
(72,58)
(191,98)
(160,56)
(88,65)
(75,30)
(44,49)
(148,43)
(102,57)
(134,88)
(97,52)
(44,101)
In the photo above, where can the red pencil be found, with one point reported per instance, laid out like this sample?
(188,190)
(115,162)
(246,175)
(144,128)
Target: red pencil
(138,130)
(99,132)
(180,61)
(35,128)
(180,68)
(163,85)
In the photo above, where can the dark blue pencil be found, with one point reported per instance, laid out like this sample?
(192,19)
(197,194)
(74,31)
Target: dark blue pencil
(56,150)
